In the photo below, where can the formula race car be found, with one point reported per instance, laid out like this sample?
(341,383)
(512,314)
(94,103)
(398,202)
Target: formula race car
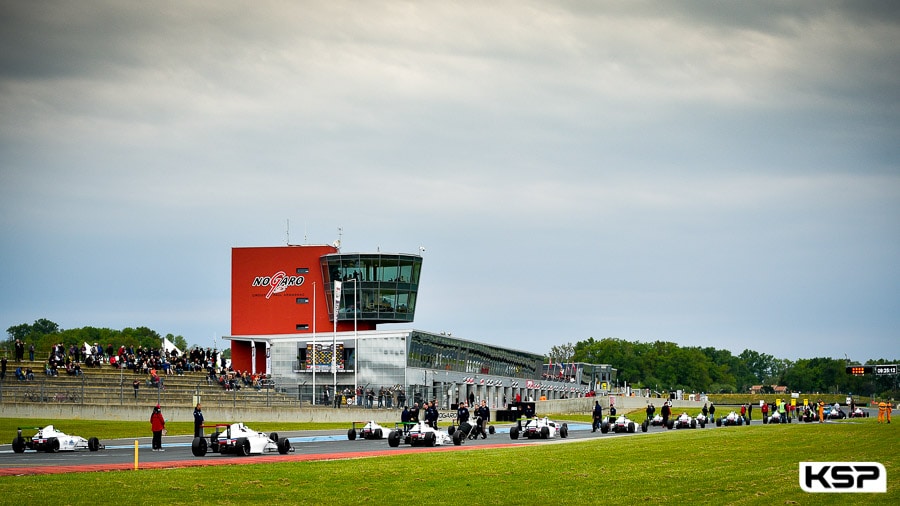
(834,413)
(730,419)
(621,424)
(684,421)
(368,430)
(420,434)
(859,413)
(538,428)
(777,417)
(702,420)
(469,430)
(656,421)
(238,439)
(50,440)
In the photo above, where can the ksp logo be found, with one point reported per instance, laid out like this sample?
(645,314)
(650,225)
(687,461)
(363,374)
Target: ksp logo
(277,282)
(843,477)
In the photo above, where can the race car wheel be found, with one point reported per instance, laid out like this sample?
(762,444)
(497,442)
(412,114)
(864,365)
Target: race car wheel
(52,445)
(514,433)
(274,436)
(702,425)
(394,438)
(458,438)
(243,447)
(645,426)
(631,427)
(430,439)
(451,429)
(491,429)
(351,435)
(545,432)
(284,446)
(198,447)
(378,434)
(604,428)
(564,431)
(670,424)
(18,444)
(718,422)
(93,444)
(693,424)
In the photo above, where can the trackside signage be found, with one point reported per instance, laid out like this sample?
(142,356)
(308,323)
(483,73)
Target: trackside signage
(842,477)
(277,282)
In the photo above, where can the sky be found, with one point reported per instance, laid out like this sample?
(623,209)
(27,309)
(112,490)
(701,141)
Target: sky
(715,174)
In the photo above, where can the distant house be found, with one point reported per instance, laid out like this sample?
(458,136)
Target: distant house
(779,389)
(756,389)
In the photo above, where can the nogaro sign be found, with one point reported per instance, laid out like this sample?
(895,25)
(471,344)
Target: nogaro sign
(843,477)
(277,282)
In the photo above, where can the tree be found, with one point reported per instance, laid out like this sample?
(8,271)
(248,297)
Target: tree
(561,353)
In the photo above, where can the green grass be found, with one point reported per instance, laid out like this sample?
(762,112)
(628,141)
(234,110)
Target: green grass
(735,465)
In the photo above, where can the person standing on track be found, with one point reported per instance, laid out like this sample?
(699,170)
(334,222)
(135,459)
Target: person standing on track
(198,421)
(157,426)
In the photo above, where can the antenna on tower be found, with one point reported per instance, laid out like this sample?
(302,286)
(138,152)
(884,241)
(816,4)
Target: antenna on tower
(287,233)
(337,243)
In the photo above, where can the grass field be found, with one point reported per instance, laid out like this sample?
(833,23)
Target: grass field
(735,465)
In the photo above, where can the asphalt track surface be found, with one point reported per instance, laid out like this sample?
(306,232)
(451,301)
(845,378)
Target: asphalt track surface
(118,455)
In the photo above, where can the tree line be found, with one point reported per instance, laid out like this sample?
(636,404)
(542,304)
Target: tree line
(44,334)
(664,366)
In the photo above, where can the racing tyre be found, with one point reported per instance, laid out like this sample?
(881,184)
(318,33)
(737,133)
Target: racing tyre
(670,424)
(243,447)
(351,434)
(693,424)
(491,429)
(274,436)
(604,428)
(52,445)
(429,439)
(378,434)
(718,422)
(198,447)
(394,438)
(564,431)
(93,444)
(702,425)
(457,438)
(514,433)
(645,426)
(18,444)
(545,432)
(284,446)
(631,427)
(451,430)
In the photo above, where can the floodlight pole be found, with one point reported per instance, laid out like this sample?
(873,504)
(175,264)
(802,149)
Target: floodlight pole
(314,365)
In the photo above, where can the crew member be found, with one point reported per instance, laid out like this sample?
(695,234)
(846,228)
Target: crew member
(484,416)
(198,421)
(598,415)
(882,411)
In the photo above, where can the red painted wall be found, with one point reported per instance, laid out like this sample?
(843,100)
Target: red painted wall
(262,310)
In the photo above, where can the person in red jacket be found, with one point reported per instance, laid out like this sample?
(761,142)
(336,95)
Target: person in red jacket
(157,425)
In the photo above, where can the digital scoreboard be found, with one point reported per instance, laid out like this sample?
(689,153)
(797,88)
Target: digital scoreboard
(878,370)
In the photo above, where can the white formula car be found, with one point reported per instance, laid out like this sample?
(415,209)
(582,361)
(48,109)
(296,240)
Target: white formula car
(859,413)
(238,439)
(621,424)
(684,421)
(539,428)
(419,434)
(48,439)
(730,419)
(369,430)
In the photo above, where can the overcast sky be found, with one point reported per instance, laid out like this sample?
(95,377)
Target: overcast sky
(721,174)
